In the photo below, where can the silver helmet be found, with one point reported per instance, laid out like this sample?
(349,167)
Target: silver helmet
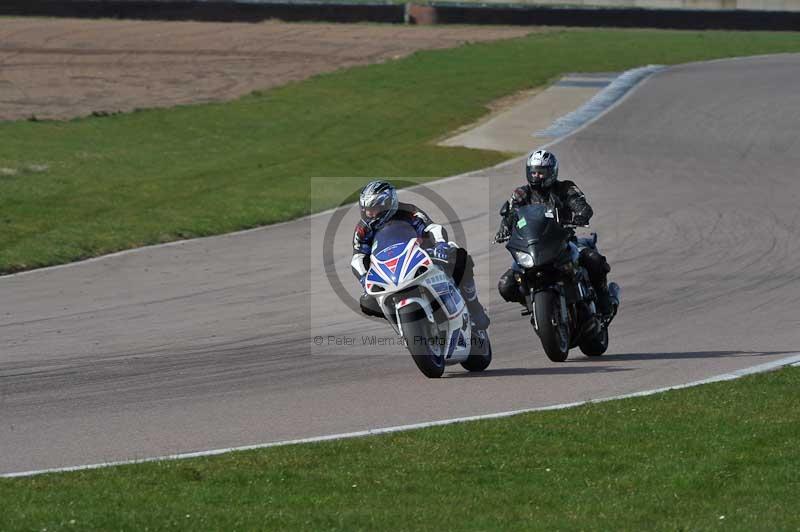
(378,202)
(541,169)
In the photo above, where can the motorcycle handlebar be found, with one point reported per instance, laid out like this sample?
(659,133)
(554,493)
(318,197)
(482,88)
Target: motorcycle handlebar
(434,258)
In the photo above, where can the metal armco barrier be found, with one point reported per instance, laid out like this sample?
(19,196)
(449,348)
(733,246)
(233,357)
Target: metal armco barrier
(219,11)
(616,17)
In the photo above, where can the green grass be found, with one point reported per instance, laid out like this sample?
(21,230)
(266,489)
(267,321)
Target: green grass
(108,183)
(676,461)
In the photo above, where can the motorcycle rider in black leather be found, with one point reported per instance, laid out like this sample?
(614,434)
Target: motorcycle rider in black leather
(541,171)
(379,204)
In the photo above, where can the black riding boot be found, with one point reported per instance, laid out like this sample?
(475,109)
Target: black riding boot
(476,310)
(604,302)
(463,273)
(598,268)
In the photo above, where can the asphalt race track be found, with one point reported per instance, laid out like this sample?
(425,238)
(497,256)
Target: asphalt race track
(209,343)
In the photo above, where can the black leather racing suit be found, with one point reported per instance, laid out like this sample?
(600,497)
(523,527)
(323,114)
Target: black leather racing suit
(573,207)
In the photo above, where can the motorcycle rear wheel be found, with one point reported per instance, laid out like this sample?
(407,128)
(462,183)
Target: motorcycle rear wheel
(555,340)
(479,359)
(595,345)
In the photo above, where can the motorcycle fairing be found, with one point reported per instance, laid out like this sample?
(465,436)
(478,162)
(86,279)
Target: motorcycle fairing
(423,303)
(455,326)
(449,296)
(456,340)
(538,233)
(395,272)
(402,274)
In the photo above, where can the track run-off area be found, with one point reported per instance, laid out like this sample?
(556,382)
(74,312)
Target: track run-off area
(209,344)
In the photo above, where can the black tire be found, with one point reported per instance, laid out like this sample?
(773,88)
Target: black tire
(595,345)
(554,337)
(416,331)
(479,359)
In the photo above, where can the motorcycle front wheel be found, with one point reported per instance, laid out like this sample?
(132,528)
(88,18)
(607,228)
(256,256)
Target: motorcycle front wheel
(552,331)
(422,341)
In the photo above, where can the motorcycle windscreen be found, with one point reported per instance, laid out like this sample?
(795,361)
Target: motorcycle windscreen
(391,239)
(537,232)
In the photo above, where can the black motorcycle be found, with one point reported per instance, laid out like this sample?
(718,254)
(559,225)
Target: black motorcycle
(554,287)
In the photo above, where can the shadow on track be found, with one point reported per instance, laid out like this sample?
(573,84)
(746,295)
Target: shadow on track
(555,370)
(680,355)
(562,369)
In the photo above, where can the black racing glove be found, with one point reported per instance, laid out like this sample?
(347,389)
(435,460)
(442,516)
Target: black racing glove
(503,233)
(579,219)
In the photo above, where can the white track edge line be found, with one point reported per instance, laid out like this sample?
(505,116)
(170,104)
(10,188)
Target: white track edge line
(792,360)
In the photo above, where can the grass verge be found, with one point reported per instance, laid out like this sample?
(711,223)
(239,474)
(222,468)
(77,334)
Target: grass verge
(72,190)
(717,456)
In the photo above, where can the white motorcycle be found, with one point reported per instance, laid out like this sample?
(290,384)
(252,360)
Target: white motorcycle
(422,303)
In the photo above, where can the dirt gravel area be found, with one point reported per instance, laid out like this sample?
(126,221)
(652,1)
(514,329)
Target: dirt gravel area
(63,68)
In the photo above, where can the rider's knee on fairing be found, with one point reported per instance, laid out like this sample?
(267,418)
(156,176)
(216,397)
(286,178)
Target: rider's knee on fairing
(508,287)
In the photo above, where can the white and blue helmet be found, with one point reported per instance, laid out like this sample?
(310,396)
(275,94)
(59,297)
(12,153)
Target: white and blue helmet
(378,202)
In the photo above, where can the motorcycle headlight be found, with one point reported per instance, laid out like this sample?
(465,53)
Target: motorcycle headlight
(523,259)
